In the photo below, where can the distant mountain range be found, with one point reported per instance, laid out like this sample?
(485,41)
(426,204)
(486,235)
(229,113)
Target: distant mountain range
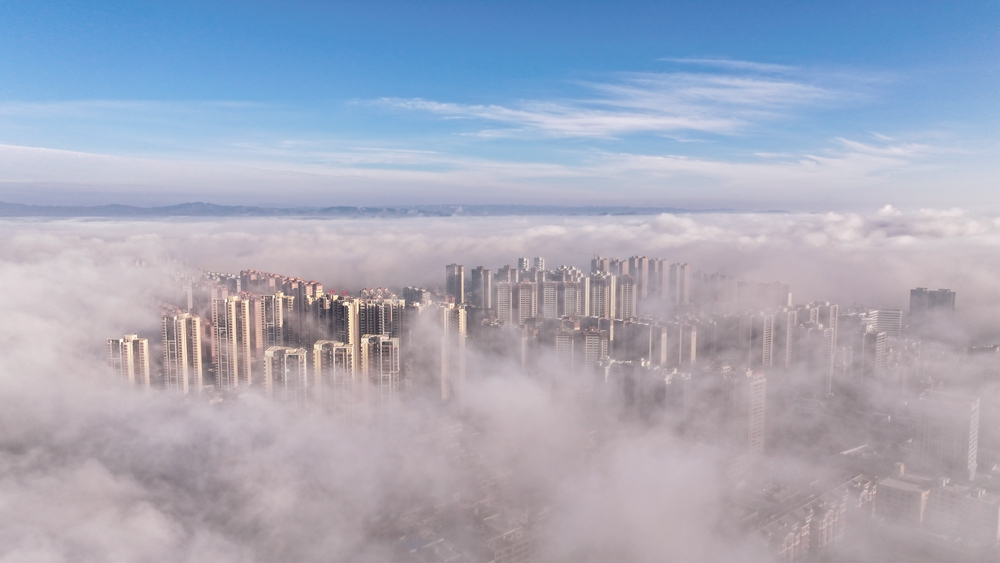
(199,209)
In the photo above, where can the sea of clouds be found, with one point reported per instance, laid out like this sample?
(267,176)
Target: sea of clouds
(90,471)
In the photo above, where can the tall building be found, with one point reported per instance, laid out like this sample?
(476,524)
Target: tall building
(129,360)
(598,264)
(286,374)
(949,433)
(874,347)
(482,288)
(756,339)
(889,321)
(638,267)
(452,322)
(922,300)
(525,299)
(231,343)
(785,322)
(334,377)
(378,372)
(504,302)
(924,303)
(603,297)
(182,365)
(381,316)
(344,325)
(679,285)
(641,341)
(538,263)
(627,298)
(572,298)
(548,305)
(268,327)
(681,345)
(418,295)
(455,282)
(747,406)
(829,314)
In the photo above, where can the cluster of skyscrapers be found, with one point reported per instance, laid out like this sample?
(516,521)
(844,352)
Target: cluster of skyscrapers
(286,338)
(708,354)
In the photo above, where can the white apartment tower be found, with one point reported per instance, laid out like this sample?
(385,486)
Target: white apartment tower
(286,374)
(627,296)
(452,322)
(334,376)
(679,284)
(129,360)
(602,295)
(503,302)
(233,360)
(182,365)
(525,300)
(378,371)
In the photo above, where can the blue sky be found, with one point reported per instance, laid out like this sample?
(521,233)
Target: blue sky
(701,104)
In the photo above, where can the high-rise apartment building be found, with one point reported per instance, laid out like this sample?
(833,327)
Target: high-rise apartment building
(638,267)
(627,298)
(659,278)
(679,284)
(747,408)
(344,325)
(381,316)
(785,323)
(924,303)
(525,300)
(874,346)
(828,315)
(129,360)
(455,282)
(505,274)
(756,339)
(548,306)
(417,295)
(286,374)
(889,321)
(482,288)
(452,323)
(949,433)
(680,345)
(923,300)
(538,263)
(233,360)
(182,366)
(379,374)
(334,377)
(503,302)
(268,328)
(603,296)
(572,298)
(598,264)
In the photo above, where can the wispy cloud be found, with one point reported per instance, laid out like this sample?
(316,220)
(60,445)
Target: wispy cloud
(849,172)
(732,64)
(98,108)
(738,96)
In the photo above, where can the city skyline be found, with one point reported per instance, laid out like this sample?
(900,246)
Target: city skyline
(499,282)
(78,282)
(648,342)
